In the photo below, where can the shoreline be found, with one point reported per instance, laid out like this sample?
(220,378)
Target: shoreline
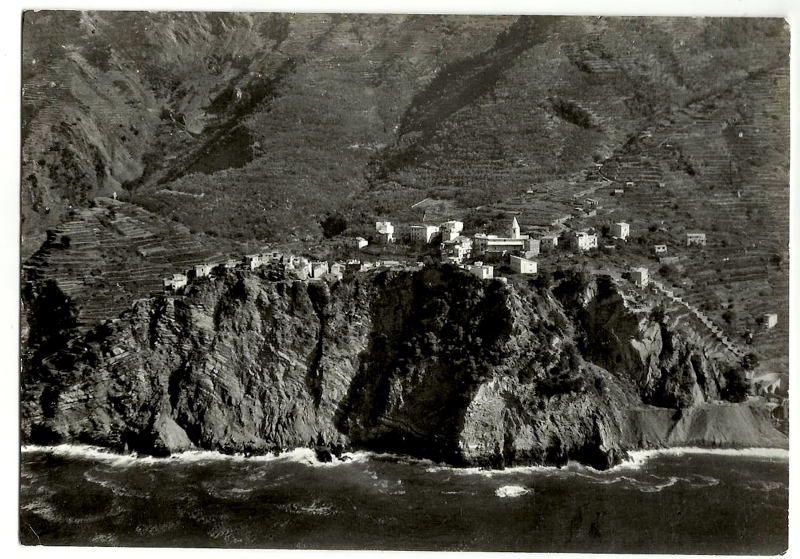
(303,455)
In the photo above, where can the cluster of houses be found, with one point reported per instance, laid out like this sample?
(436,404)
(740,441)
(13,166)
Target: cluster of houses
(302,268)
(456,248)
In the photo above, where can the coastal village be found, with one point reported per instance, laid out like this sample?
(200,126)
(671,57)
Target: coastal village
(512,254)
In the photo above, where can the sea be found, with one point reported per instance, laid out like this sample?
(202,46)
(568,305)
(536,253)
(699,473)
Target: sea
(684,501)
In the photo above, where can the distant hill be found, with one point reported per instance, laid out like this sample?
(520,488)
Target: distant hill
(279,118)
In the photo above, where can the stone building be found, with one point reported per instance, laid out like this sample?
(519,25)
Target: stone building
(457,249)
(450,230)
(357,242)
(202,270)
(548,243)
(254,261)
(640,276)
(423,233)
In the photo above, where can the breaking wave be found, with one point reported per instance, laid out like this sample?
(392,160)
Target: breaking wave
(638,458)
(511,491)
(305,456)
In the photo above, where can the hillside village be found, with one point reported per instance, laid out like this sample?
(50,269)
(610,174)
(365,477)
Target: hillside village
(512,255)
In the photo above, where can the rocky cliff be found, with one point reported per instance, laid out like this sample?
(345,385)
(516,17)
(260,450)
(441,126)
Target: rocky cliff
(431,362)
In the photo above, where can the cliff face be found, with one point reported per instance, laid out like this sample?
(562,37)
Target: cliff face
(669,368)
(434,363)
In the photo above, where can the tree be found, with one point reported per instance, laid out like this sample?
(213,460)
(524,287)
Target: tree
(332,225)
(729,316)
(735,385)
(750,361)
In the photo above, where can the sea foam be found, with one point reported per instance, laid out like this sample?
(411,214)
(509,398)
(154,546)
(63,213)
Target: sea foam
(305,456)
(511,491)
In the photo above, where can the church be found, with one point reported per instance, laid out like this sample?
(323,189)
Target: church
(514,243)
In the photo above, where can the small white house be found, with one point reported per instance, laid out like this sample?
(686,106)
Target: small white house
(698,239)
(481,271)
(523,265)
(621,230)
(203,270)
(385,231)
(770,320)
(585,241)
(660,249)
(256,260)
(357,242)
(175,282)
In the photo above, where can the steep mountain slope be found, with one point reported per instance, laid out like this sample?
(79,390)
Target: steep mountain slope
(127,101)
(279,118)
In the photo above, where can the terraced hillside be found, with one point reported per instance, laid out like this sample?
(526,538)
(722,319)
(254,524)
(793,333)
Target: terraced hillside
(105,257)
(271,115)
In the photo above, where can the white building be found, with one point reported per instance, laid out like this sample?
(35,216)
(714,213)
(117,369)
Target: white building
(336,272)
(203,270)
(385,231)
(515,243)
(450,230)
(175,282)
(319,269)
(256,260)
(640,276)
(423,233)
(584,241)
(770,320)
(457,249)
(660,249)
(695,239)
(621,230)
(300,265)
(523,265)
(357,242)
(481,271)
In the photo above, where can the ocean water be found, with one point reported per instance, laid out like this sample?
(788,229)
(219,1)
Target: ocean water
(677,501)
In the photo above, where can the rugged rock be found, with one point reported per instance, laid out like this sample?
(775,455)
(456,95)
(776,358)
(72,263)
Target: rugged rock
(670,369)
(433,363)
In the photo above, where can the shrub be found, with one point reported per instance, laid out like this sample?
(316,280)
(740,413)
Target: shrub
(735,386)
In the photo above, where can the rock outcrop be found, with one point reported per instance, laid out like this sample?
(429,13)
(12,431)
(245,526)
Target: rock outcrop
(433,363)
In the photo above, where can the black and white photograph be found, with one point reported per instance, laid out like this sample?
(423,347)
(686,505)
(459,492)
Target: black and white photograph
(403,282)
